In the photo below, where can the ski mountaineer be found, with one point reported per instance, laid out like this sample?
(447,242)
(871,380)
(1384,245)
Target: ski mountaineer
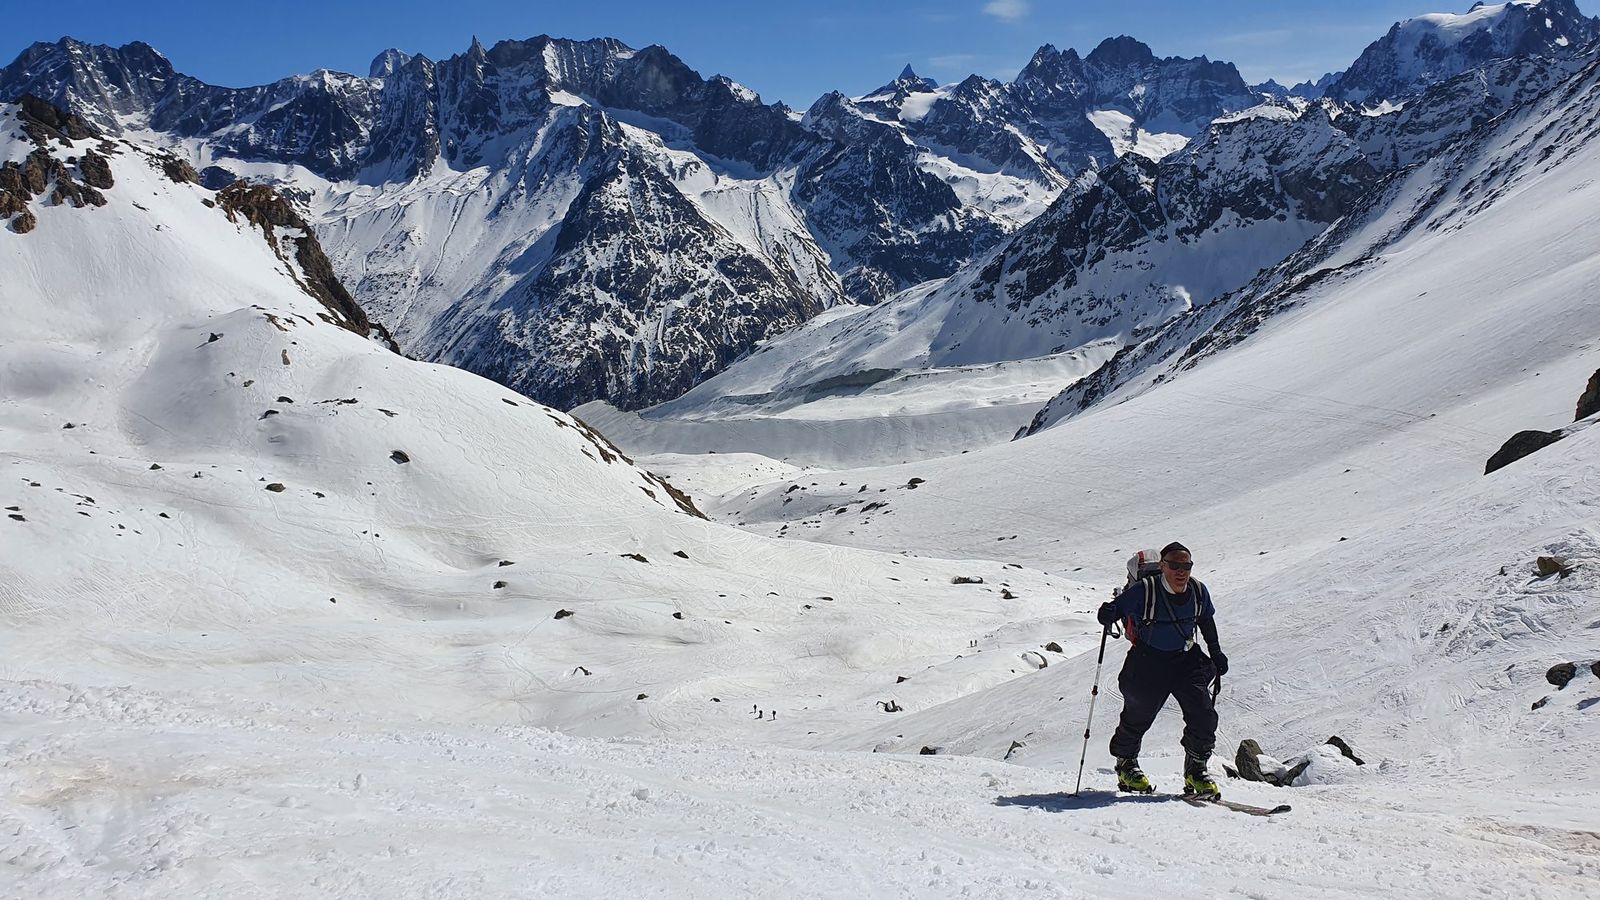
(1161,615)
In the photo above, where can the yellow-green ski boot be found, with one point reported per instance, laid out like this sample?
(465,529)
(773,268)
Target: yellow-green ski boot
(1131,778)
(1197,782)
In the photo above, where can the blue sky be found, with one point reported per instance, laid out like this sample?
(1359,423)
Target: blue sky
(792,52)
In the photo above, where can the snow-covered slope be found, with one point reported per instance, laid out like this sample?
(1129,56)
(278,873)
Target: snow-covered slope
(212,477)
(1386,361)
(216,687)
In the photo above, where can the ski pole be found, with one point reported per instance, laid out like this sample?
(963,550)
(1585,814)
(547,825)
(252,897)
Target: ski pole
(1093,693)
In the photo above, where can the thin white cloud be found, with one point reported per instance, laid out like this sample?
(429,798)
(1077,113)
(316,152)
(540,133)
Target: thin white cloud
(1006,10)
(955,61)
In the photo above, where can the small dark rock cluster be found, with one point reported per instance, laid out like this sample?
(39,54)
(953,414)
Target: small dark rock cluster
(1561,675)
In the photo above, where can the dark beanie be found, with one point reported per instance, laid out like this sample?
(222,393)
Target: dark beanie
(1174,547)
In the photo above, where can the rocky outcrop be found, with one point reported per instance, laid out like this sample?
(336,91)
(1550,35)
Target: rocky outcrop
(1589,400)
(44,122)
(179,171)
(1520,445)
(96,170)
(41,174)
(281,224)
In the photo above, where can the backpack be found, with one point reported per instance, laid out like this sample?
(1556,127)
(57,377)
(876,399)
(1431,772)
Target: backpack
(1145,566)
(1142,565)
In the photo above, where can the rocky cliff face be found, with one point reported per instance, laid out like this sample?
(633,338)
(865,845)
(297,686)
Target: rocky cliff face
(1451,154)
(602,317)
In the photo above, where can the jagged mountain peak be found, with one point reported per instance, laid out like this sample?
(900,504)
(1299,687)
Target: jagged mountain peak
(907,82)
(1121,52)
(1427,49)
(387,63)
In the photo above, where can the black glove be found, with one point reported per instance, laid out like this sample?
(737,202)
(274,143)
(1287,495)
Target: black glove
(1220,662)
(1107,614)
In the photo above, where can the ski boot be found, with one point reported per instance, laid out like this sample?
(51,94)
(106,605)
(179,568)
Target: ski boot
(1197,782)
(1131,778)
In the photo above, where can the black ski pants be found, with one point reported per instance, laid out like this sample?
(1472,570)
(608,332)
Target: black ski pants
(1148,678)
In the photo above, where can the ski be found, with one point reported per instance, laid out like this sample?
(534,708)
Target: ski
(1237,807)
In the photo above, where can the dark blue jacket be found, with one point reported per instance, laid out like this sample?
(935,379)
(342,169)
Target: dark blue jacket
(1172,622)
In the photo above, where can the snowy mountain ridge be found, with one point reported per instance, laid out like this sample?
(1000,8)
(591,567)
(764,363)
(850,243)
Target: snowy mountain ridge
(389,168)
(1423,50)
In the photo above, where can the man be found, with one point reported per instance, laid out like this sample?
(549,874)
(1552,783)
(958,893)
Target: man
(1161,615)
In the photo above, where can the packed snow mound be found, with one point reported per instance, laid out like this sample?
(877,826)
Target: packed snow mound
(206,475)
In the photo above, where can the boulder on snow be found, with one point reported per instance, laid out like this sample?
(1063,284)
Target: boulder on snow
(1521,444)
(966,579)
(1595,668)
(1247,760)
(1551,565)
(1561,674)
(1589,403)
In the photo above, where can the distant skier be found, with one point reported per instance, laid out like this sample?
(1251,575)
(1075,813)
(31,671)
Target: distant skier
(1161,614)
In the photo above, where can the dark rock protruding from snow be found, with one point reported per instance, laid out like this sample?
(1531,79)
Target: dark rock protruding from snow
(1546,566)
(1561,674)
(1247,760)
(1344,749)
(1589,401)
(1520,445)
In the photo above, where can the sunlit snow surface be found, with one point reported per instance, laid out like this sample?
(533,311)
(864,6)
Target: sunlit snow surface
(215,689)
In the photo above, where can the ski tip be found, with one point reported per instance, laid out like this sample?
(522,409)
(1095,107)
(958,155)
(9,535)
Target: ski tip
(1282,808)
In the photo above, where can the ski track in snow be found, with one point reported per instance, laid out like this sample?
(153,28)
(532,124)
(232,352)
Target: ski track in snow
(118,793)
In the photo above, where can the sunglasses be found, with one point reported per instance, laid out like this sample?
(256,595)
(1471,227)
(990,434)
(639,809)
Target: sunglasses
(1178,566)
